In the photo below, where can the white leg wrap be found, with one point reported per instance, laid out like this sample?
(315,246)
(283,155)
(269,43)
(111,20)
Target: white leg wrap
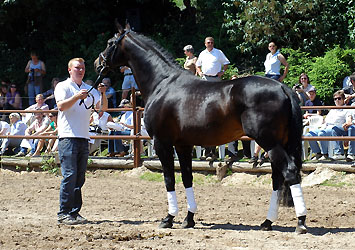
(298,200)
(191,203)
(173,205)
(273,212)
(198,151)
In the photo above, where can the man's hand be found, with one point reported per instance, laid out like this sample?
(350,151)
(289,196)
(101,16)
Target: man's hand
(82,94)
(346,126)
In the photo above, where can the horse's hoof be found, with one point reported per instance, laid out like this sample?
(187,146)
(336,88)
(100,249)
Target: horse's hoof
(266,225)
(167,222)
(301,229)
(188,224)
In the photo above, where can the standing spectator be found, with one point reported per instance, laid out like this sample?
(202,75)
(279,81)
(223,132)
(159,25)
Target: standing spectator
(190,63)
(49,94)
(211,65)
(273,63)
(12,145)
(73,132)
(28,118)
(350,90)
(36,69)
(313,101)
(110,93)
(13,99)
(128,82)
(302,88)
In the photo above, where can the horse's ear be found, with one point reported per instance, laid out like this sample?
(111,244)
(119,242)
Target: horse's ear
(128,27)
(118,25)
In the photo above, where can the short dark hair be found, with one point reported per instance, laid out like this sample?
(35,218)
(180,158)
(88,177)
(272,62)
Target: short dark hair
(352,76)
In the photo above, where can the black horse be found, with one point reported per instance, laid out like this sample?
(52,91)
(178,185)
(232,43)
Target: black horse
(182,110)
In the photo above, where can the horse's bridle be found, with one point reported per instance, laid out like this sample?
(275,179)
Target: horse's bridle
(104,62)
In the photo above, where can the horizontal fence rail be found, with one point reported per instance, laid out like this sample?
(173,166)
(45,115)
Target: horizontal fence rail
(137,113)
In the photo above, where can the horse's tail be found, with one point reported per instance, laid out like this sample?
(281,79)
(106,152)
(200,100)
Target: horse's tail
(294,144)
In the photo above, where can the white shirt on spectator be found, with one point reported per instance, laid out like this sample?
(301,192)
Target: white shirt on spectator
(101,121)
(4,128)
(336,117)
(211,62)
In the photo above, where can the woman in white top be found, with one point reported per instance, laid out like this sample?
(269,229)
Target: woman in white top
(273,63)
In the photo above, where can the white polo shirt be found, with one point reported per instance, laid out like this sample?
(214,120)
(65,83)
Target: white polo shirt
(74,122)
(211,62)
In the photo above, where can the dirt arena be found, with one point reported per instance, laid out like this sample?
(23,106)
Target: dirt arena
(125,210)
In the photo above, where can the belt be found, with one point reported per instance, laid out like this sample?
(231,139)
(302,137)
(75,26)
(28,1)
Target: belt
(128,74)
(212,76)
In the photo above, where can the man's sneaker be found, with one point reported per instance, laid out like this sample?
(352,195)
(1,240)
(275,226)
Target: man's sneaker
(20,154)
(350,158)
(67,219)
(316,157)
(324,158)
(81,220)
(338,157)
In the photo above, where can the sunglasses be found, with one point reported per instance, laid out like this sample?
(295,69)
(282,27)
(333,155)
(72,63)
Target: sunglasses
(338,98)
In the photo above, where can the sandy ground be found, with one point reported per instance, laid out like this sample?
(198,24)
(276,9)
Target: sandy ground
(125,210)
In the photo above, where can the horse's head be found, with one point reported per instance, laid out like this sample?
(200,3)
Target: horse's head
(113,56)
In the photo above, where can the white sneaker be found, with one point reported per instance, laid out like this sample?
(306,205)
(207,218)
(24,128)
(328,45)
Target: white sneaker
(324,158)
(350,158)
(338,157)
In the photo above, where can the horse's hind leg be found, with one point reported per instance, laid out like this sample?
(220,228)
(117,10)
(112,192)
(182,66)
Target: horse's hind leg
(165,152)
(185,159)
(285,170)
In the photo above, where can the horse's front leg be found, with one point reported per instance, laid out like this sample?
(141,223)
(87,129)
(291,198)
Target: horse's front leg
(185,159)
(165,152)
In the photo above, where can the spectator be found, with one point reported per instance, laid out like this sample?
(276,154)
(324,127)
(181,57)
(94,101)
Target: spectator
(302,88)
(49,94)
(13,99)
(50,130)
(28,118)
(313,101)
(211,65)
(4,129)
(3,92)
(38,126)
(350,90)
(128,82)
(190,62)
(36,69)
(98,121)
(12,145)
(273,63)
(110,93)
(115,147)
(346,82)
(73,132)
(335,118)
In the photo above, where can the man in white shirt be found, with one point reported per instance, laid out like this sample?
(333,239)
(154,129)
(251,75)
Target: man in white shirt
(73,131)
(211,63)
(210,66)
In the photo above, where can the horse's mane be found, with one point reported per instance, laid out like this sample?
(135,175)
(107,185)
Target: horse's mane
(151,46)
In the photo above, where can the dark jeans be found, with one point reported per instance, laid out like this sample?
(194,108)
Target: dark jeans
(276,77)
(116,146)
(73,156)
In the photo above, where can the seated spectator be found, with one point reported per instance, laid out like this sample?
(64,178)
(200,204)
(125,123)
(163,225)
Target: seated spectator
(50,130)
(28,118)
(350,90)
(13,99)
(302,88)
(49,94)
(115,147)
(4,129)
(11,146)
(98,122)
(38,126)
(335,118)
(110,93)
(313,101)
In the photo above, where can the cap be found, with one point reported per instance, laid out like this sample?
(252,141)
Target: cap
(312,89)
